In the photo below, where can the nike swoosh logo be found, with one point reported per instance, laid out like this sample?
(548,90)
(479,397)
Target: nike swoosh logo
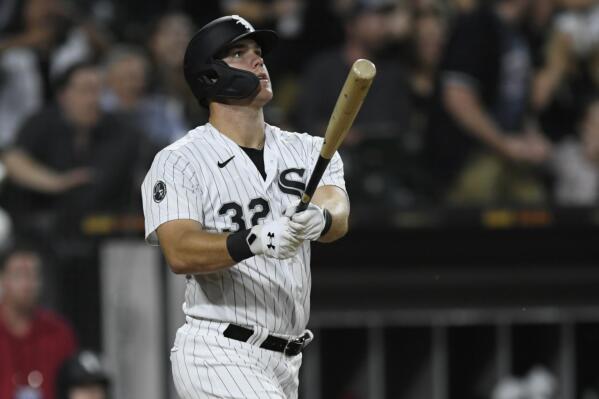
(223,164)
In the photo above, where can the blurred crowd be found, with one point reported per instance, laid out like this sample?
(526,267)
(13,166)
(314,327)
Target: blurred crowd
(538,383)
(475,103)
(39,355)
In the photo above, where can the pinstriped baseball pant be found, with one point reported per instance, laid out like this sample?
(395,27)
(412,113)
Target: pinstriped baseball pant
(206,364)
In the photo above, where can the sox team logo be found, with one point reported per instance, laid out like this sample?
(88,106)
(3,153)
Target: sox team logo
(241,21)
(159,191)
(292,187)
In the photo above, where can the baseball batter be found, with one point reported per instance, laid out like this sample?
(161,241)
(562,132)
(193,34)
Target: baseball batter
(220,203)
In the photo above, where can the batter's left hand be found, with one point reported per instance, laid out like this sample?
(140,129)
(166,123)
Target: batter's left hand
(308,224)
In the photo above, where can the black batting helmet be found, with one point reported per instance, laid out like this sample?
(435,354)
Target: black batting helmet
(212,79)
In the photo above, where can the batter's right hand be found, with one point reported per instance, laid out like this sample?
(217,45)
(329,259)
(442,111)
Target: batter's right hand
(274,239)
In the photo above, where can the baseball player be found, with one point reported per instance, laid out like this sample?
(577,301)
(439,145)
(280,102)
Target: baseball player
(220,203)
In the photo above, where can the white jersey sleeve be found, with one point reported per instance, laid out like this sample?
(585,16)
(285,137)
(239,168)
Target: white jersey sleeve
(333,174)
(170,191)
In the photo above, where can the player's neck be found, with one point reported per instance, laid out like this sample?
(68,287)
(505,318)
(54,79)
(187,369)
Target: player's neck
(244,125)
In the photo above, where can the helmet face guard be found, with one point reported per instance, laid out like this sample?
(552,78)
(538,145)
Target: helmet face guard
(212,79)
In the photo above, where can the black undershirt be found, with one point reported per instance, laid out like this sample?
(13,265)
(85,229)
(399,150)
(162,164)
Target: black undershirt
(257,157)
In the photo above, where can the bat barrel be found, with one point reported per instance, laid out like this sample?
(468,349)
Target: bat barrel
(364,69)
(348,104)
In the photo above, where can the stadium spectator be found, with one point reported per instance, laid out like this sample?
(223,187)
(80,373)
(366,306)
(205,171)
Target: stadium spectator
(8,10)
(166,45)
(370,155)
(484,147)
(82,377)
(33,341)
(385,110)
(129,21)
(70,159)
(576,161)
(427,45)
(370,147)
(401,27)
(567,75)
(286,17)
(155,115)
(537,28)
(126,73)
(464,6)
(49,37)
(538,383)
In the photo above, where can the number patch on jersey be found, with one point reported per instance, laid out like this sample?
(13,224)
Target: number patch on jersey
(258,207)
(234,210)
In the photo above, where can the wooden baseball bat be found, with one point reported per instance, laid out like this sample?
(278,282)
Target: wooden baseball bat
(348,104)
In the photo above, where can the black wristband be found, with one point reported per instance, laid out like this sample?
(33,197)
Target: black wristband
(238,245)
(328,221)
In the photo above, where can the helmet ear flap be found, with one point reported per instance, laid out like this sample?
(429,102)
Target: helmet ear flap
(208,77)
(204,83)
(233,83)
(219,82)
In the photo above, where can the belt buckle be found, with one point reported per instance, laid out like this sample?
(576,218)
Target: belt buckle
(294,347)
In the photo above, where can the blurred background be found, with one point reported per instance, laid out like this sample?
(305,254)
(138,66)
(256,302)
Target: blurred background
(470,270)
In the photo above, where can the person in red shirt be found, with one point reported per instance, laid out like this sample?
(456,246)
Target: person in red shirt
(34,342)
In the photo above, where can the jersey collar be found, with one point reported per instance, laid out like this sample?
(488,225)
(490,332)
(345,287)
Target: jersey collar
(271,158)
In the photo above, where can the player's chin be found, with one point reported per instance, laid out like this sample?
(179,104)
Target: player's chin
(265,94)
(265,85)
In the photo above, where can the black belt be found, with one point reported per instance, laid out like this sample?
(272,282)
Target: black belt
(292,347)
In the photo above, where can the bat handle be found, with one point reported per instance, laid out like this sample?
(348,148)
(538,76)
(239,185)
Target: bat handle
(302,206)
(319,168)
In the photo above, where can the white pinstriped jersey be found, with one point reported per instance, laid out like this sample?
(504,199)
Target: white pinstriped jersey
(207,177)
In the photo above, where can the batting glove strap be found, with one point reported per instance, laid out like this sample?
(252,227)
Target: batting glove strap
(245,244)
(328,221)
(238,244)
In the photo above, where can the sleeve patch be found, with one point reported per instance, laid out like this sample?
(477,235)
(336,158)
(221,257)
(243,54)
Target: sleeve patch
(159,191)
